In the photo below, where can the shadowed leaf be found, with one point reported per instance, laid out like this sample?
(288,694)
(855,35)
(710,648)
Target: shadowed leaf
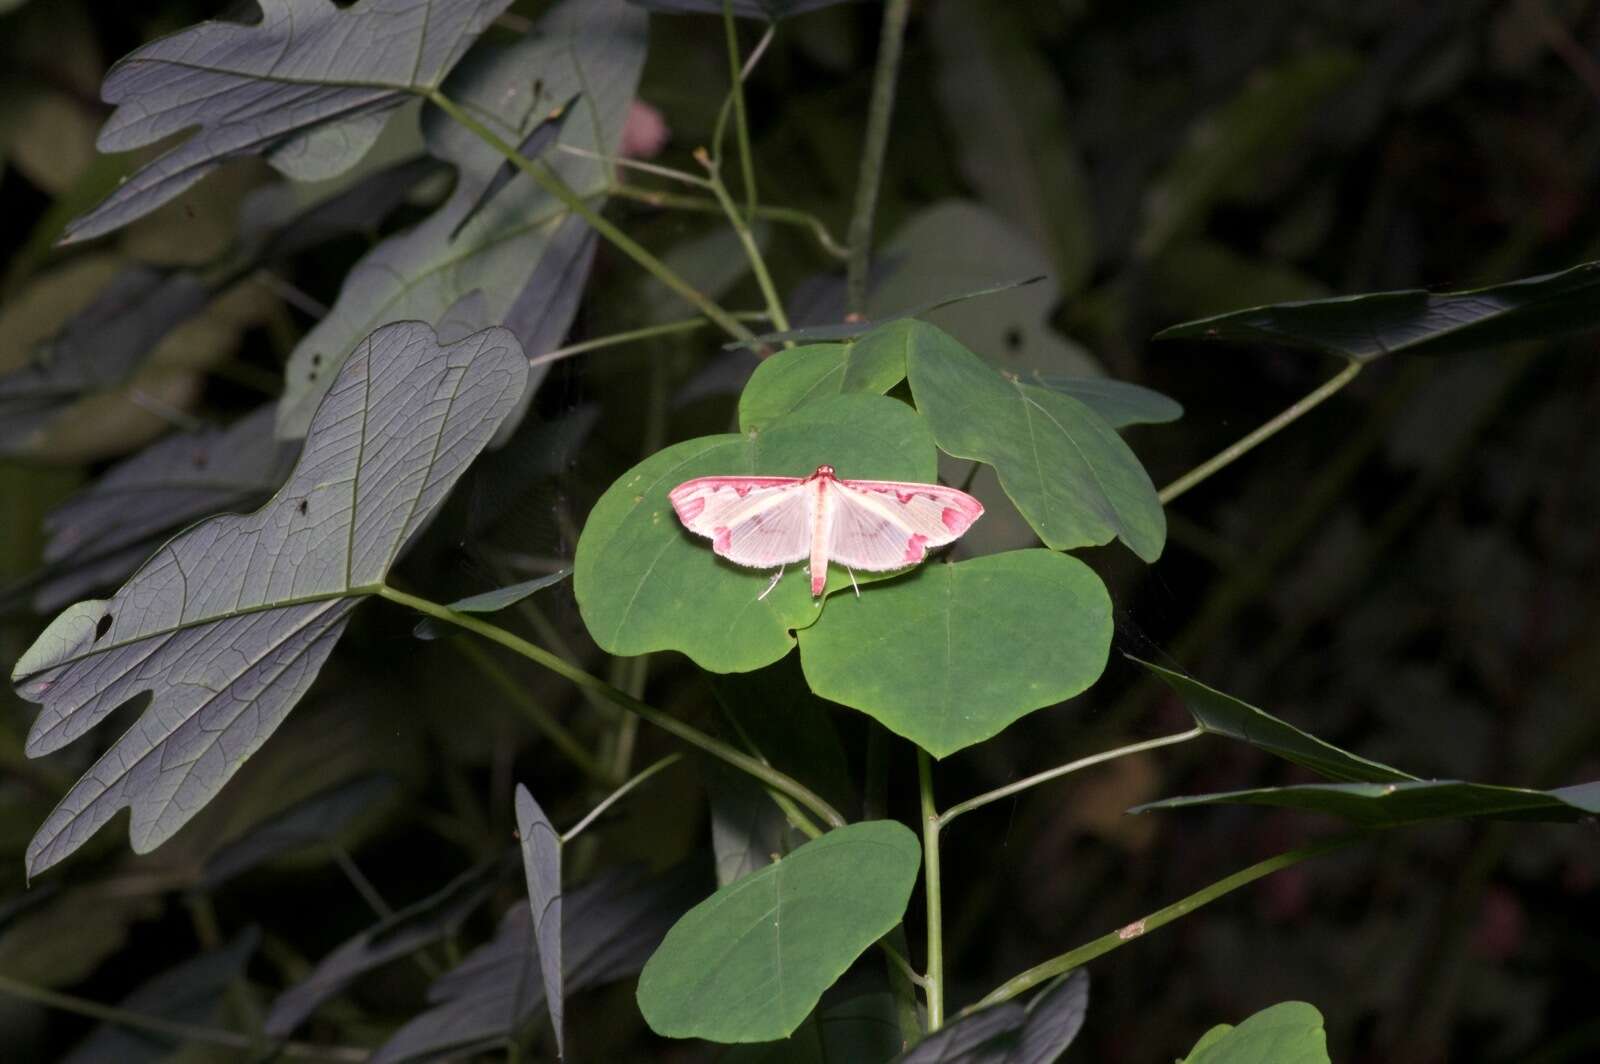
(309,87)
(317,820)
(1411,802)
(229,623)
(533,145)
(541,865)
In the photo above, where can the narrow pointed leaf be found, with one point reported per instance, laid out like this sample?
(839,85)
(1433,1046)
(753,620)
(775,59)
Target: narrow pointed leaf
(541,865)
(1409,802)
(1366,327)
(316,820)
(643,583)
(309,87)
(949,655)
(500,598)
(1118,403)
(1068,472)
(593,47)
(1221,714)
(400,935)
(229,623)
(533,145)
(874,363)
(1287,1033)
(751,961)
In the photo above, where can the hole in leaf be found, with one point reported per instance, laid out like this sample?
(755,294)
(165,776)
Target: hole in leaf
(316,358)
(101,627)
(302,507)
(1013,339)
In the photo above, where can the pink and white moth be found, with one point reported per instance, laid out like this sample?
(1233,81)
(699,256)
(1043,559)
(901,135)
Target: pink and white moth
(872,525)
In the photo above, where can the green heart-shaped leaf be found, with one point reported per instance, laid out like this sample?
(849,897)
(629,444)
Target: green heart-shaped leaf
(644,583)
(950,655)
(873,364)
(750,962)
(1069,473)
(1286,1033)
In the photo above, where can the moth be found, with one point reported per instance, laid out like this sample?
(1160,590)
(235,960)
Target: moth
(872,525)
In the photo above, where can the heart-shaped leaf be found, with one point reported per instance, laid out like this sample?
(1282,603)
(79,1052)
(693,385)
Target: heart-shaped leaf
(1365,327)
(644,583)
(1118,403)
(950,655)
(229,623)
(523,249)
(750,962)
(1221,714)
(541,866)
(1287,1033)
(309,86)
(1068,471)
(874,363)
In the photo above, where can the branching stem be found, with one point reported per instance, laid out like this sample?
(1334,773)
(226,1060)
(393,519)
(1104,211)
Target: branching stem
(933,978)
(870,176)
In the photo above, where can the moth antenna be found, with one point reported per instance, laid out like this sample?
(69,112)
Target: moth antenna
(771,584)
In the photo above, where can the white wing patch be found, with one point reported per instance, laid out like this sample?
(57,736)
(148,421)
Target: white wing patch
(760,522)
(879,525)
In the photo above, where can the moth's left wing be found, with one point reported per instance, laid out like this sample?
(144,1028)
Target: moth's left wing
(760,522)
(886,524)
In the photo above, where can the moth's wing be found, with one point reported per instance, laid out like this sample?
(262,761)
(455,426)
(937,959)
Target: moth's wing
(886,524)
(756,521)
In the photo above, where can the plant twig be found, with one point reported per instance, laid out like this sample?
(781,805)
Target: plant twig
(933,978)
(1288,416)
(1063,770)
(1160,918)
(747,240)
(616,795)
(782,215)
(593,684)
(741,127)
(551,182)
(870,176)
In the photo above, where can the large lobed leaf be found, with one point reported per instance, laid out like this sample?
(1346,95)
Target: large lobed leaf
(1067,470)
(643,583)
(522,248)
(952,653)
(1365,327)
(750,962)
(310,87)
(228,624)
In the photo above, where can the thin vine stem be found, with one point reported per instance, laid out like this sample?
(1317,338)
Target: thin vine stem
(741,127)
(1087,952)
(1064,770)
(184,1032)
(1228,455)
(588,682)
(615,796)
(933,977)
(747,240)
(704,205)
(551,182)
(870,176)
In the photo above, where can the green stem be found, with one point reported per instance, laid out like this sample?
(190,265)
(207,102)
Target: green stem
(1064,770)
(541,718)
(752,251)
(1229,454)
(870,176)
(551,182)
(741,127)
(1160,918)
(616,795)
(182,1032)
(594,685)
(616,339)
(933,980)
(704,205)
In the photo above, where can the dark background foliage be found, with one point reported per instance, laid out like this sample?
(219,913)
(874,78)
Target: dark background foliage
(1409,572)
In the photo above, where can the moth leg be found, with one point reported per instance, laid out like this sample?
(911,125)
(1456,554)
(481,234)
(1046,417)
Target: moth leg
(771,584)
(853,583)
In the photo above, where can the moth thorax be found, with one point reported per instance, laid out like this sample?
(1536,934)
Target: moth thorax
(823,471)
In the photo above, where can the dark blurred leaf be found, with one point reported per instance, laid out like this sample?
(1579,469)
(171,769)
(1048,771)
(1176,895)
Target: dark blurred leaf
(1118,403)
(356,209)
(1221,714)
(535,144)
(850,330)
(408,930)
(1054,1019)
(275,88)
(66,939)
(228,626)
(981,1038)
(316,820)
(1412,802)
(1286,1033)
(188,993)
(862,1030)
(750,962)
(612,925)
(1008,116)
(595,47)
(1365,327)
(766,10)
(541,866)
